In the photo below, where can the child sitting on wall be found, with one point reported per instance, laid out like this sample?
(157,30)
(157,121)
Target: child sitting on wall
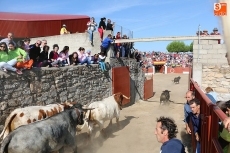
(101,60)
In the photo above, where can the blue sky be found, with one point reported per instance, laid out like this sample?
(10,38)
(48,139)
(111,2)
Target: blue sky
(146,18)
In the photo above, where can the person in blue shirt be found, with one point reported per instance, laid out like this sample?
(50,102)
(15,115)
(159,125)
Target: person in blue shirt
(196,121)
(189,96)
(166,131)
(106,44)
(211,98)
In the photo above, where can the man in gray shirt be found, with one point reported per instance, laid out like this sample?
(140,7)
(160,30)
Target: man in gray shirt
(8,39)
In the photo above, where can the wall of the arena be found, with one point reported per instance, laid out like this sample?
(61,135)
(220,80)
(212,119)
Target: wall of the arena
(210,67)
(55,85)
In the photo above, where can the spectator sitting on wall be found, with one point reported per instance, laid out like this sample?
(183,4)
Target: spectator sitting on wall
(101,61)
(210,91)
(106,44)
(27,46)
(82,57)
(44,43)
(35,52)
(64,56)
(197,33)
(53,56)
(215,32)
(95,58)
(64,30)
(5,64)
(205,33)
(73,58)
(43,57)
(89,56)
(20,55)
(10,38)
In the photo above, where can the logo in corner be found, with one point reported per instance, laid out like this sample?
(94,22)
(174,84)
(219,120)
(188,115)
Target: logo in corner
(220,9)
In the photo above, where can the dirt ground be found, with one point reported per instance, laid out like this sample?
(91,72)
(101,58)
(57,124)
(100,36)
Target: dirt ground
(138,122)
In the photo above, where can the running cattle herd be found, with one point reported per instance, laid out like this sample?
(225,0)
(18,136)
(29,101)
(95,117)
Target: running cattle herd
(51,128)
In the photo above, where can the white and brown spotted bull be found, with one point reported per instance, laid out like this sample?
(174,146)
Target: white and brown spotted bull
(104,110)
(46,136)
(27,115)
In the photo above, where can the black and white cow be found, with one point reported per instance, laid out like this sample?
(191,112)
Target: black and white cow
(46,136)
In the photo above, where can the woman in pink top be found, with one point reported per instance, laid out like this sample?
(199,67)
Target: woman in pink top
(64,56)
(82,57)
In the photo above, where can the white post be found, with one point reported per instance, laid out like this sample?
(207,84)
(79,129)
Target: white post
(153,69)
(166,72)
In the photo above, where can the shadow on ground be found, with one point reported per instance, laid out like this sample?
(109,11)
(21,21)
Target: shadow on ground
(85,146)
(186,140)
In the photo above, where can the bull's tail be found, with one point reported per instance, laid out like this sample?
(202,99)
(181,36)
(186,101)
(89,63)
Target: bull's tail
(5,144)
(9,119)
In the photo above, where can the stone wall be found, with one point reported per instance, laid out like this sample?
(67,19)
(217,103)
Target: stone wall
(210,67)
(217,77)
(137,76)
(55,85)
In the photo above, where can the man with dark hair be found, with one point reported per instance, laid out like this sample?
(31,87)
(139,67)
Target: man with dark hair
(106,44)
(196,120)
(187,110)
(166,131)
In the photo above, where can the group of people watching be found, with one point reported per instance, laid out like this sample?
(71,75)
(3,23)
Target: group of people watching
(23,55)
(205,32)
(192,113)
(102,26)
(92,26)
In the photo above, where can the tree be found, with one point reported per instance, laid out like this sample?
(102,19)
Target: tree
(179,46)
(176,46)
(191,47)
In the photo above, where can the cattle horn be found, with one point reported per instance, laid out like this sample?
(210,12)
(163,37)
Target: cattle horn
(86,108)
(126,97)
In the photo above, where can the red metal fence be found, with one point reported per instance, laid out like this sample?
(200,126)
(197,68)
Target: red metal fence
(210,116)
(121,81)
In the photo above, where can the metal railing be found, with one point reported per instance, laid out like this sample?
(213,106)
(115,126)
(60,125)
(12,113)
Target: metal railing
(210,117)
(122,30)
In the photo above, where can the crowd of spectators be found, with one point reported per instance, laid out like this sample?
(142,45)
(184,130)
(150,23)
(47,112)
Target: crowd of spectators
(23,55)
(183,59)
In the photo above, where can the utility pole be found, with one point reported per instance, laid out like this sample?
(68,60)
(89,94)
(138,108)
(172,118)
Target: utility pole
(198,43)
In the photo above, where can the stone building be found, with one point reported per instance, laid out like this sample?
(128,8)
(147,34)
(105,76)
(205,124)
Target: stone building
(210,67)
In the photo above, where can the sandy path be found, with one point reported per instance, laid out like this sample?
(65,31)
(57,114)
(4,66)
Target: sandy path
(138,122)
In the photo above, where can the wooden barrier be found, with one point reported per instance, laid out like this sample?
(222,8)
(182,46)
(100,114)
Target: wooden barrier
(178,70)
(210,116)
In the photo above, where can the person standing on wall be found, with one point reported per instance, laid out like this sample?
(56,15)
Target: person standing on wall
(106,44)
(165,132)
(102,27)
(91,28)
